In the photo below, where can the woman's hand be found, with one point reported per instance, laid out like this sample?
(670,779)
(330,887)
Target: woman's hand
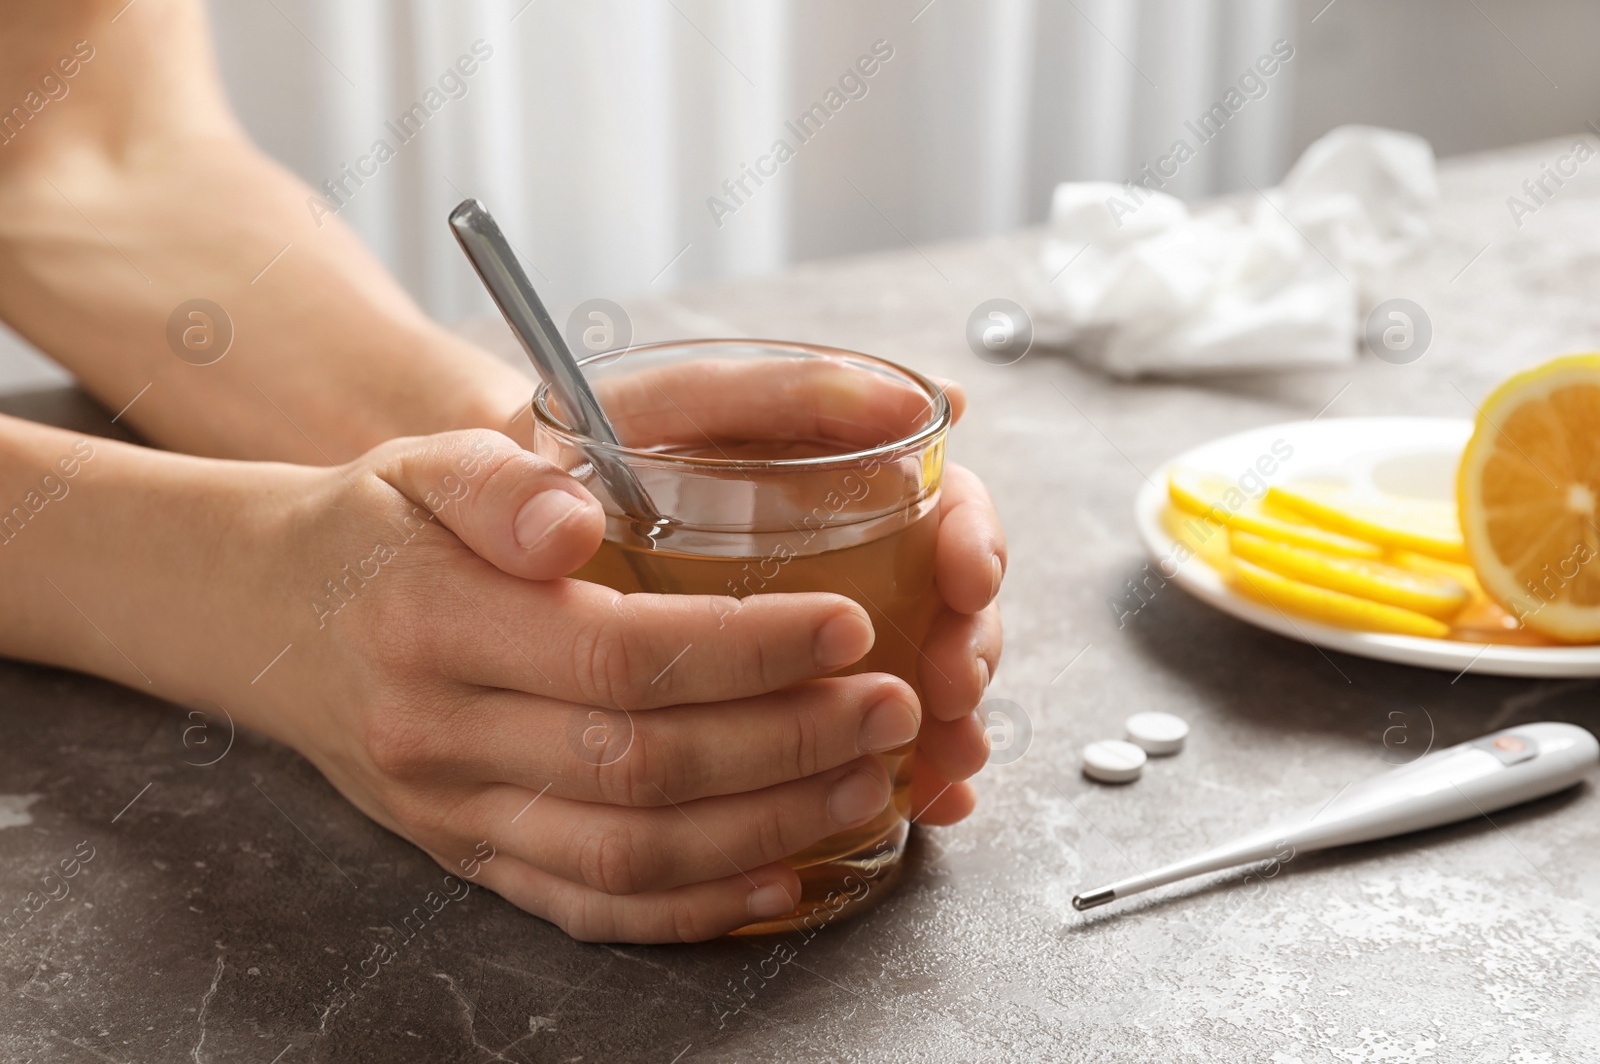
(962,650)
(624,757)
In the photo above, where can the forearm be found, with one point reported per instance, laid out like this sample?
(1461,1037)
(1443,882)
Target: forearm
(114,558)
(115,211)
(327,358)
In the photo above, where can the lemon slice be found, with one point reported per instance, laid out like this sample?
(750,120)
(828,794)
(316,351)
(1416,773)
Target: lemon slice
(1420,525)
(1208,496)
(1527,489)
(1203,542)
(1332,607)
(1434,594)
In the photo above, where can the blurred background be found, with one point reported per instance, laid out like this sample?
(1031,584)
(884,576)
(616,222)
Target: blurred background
(601,132)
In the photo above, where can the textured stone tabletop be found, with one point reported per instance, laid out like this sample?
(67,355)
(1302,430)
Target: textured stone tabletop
(215,905)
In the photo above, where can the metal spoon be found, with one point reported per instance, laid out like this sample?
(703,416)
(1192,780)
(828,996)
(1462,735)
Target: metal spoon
(491,255)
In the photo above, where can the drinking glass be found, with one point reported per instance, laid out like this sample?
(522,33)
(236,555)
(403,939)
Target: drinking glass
(776,467)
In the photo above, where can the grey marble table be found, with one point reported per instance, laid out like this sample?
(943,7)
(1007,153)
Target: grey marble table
(222,902)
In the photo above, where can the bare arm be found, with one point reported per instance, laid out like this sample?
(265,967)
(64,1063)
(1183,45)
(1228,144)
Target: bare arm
(131,190)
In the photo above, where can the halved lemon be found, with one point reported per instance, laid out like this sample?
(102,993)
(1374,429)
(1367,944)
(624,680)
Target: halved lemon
(1528,490)
(1215,498)
(1434,594)
(1332,607)
(1422,525)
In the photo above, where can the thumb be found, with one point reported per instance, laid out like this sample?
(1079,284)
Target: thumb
(514,509)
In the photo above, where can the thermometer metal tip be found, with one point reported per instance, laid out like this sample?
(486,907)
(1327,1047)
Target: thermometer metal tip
(1475,778)
(1093,898)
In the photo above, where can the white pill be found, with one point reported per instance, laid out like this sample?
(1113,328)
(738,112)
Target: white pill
(1157,733)
(1112,761)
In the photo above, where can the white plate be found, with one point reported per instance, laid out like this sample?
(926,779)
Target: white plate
(1402,456)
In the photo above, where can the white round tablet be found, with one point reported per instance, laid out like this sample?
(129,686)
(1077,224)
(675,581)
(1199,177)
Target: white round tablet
(1157,733)
(1112,761)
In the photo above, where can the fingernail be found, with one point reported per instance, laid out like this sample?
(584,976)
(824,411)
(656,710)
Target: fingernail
(888,724)
(983,675)
(856,797)
(768,901)
(996,571)
(542,515)
(842,640)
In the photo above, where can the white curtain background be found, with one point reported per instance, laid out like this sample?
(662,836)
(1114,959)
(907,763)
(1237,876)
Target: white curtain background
(598,129)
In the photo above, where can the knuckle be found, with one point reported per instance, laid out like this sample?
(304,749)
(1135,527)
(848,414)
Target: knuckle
(756,644)
(391,452)
(607,655)
(802,742)
(630,779)
(469,450)
(584,928)
(574,916)
(611,859)
(430,817)
(724,607)
(775,835)
(399,743)
(687,924)
(765,668)
(501,457)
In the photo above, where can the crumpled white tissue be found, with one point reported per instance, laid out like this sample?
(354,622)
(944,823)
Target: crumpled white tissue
(1135,284)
